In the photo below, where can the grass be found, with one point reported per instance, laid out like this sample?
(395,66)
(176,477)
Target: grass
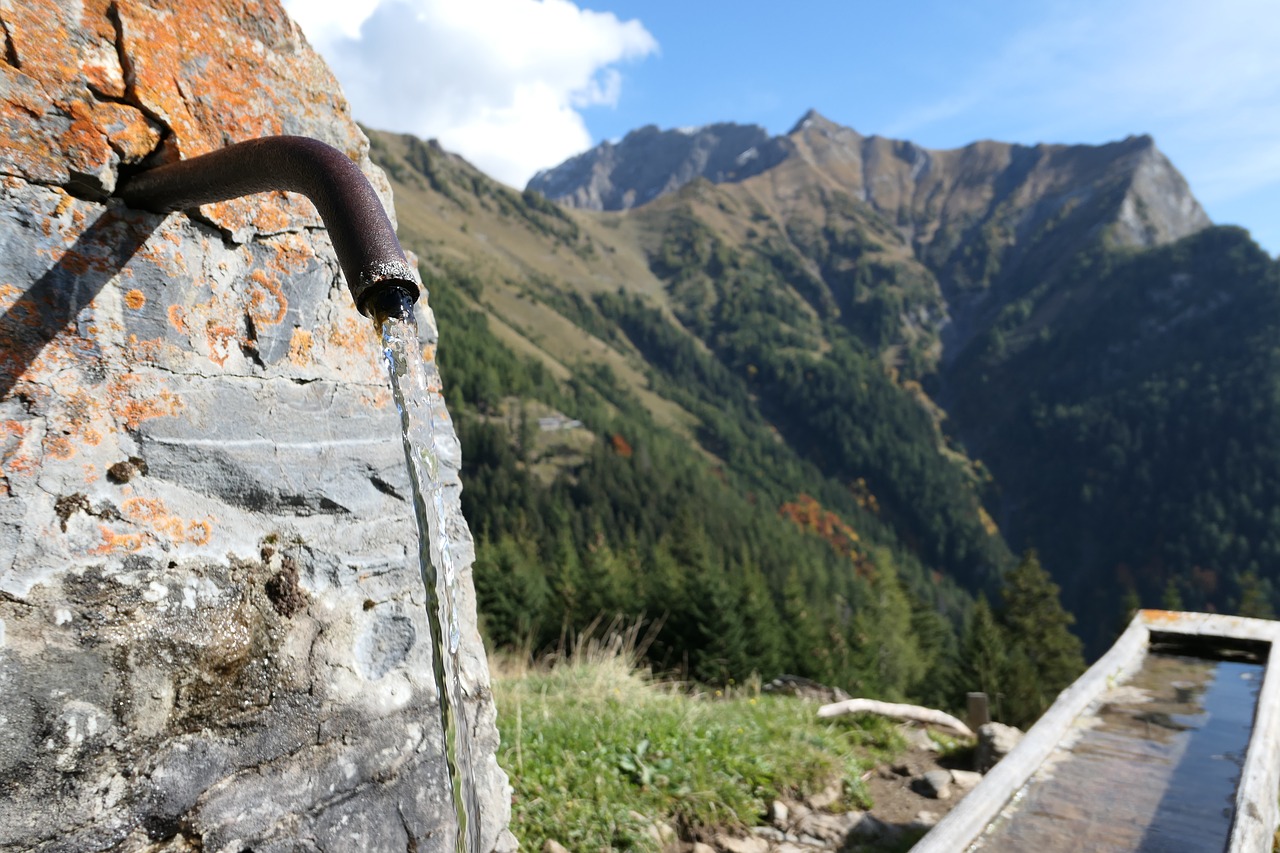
(597,750)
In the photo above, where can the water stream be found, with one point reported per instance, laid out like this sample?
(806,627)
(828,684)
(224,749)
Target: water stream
(415,383)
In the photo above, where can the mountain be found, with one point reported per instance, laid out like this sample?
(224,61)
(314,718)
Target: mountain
(982,217)
(921,358)
(1037,293)
(650,162)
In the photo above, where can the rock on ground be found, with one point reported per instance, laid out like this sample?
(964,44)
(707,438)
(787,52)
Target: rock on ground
(212,632)
(995,741)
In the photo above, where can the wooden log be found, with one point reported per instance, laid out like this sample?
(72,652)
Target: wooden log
(913,713)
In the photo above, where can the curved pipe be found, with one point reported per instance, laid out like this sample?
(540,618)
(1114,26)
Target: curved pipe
(368,251)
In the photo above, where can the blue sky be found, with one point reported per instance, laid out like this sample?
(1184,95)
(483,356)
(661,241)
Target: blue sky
(517,85)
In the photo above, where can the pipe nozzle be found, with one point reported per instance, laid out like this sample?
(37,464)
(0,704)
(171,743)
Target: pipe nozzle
(366,244)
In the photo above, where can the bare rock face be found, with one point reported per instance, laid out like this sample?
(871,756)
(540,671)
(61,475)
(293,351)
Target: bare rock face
(649,162)
(212,629)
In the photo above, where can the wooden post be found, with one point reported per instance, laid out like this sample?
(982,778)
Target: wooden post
(979,712)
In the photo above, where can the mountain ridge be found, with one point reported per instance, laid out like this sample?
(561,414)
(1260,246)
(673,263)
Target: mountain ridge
(607,177)
(1025,209)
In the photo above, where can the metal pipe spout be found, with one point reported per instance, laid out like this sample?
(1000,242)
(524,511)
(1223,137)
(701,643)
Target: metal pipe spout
(377,272)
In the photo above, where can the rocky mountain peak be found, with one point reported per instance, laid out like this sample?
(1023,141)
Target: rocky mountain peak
(650,162)
(812,120)
(1128,187)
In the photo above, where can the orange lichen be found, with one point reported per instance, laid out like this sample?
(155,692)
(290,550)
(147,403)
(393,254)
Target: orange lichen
(152,513)
(199,532)
(150,351)
(177,319)
(58,447)
(221,340)
(131,410)
(128,133)
(135,299)
(267,304)
(300,344)
(144,509)
(113,542)
(348,334)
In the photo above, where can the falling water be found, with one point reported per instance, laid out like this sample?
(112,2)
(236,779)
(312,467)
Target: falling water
(416,385)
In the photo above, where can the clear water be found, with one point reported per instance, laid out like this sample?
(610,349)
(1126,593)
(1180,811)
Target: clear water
(1155,769)
(428,447)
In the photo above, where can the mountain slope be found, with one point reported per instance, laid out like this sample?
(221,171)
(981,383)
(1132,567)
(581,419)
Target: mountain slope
(688,483)
(1076,322)
(841,327)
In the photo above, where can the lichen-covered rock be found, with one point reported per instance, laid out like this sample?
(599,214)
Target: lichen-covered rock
(212,632)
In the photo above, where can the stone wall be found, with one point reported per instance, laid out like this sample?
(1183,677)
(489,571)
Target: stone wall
(212,633)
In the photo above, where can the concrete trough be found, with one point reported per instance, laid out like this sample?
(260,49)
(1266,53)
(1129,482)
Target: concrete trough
(1256,811)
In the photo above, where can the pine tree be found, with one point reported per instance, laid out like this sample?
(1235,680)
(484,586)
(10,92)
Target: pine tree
(1255,597)
(888,651)
(512,592)
(1023,699)
(936,638)
(809,648)
(983,658)
(1036,623)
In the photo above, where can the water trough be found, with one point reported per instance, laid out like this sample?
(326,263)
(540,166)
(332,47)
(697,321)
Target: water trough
(1166,743)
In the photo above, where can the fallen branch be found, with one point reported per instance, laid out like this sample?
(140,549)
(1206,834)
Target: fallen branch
(914,713)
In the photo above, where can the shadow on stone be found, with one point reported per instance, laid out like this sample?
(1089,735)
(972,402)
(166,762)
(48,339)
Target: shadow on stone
(66,288)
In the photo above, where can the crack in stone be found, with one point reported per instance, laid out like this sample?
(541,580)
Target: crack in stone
(10,49)
(130,75)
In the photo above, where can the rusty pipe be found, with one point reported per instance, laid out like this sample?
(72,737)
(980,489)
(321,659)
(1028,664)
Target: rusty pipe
(374,265)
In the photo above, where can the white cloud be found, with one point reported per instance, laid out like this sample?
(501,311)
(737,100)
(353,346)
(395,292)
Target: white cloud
(499,81)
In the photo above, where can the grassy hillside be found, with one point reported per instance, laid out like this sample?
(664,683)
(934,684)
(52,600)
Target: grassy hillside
(598,752)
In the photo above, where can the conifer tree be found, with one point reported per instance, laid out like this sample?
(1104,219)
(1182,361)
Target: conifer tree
(982,653)
(1023,699)
(808,646)
(1171,599)
(937,641)
(889,654)
(512,592)
(1036,623)
(720,650)
(1255,597)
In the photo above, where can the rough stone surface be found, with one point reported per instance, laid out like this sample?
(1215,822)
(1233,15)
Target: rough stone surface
(995,741)
(966,780)
(212,632)
(936,784)
(733,844)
